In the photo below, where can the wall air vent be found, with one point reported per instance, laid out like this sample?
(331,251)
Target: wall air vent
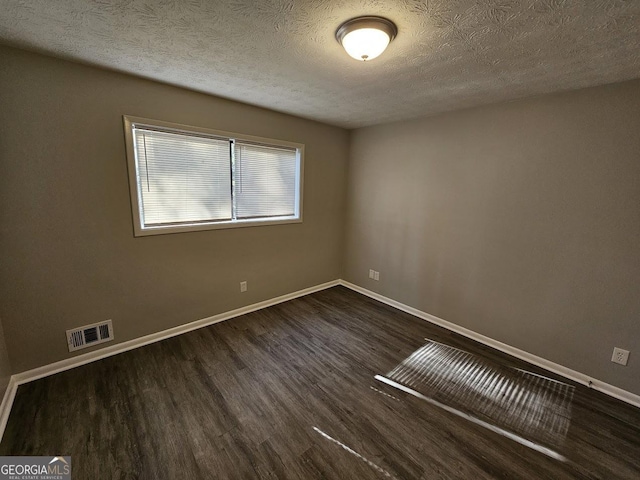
(89,335)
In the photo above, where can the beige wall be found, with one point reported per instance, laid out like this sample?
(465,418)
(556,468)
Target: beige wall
(519,221)
(69,256)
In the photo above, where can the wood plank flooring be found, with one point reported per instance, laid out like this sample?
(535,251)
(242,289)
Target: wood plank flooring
(289,392)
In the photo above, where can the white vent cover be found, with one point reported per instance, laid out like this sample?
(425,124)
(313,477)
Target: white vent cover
(89,335)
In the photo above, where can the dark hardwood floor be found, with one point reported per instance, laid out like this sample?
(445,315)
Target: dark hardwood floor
(289,392)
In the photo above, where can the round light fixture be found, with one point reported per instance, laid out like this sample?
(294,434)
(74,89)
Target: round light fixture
(365,38)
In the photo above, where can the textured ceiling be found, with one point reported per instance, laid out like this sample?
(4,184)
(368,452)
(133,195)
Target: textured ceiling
(282,54)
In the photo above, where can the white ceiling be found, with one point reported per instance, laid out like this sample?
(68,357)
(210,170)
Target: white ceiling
(282,54)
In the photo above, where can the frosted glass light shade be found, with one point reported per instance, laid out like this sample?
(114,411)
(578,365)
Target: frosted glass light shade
(365,38)
(366,43)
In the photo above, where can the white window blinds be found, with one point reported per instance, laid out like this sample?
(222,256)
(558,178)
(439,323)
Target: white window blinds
(264,181)
(188,178)
(182,179)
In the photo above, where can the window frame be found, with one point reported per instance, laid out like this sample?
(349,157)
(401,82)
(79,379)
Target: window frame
(130,122)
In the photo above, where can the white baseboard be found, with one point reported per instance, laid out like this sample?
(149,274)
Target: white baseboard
(7,403)
(83,359)
(79,360)
(69,363)
(578,377)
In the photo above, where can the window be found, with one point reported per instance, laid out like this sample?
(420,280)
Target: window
(187,178)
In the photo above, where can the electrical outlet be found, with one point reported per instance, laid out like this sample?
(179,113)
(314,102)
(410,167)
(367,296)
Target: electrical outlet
(620,356)
(376,276)
(371,273)
(243,286)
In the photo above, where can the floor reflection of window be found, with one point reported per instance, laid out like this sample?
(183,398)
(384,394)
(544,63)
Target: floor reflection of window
(524,405)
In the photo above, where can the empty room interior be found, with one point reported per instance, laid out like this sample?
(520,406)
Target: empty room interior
(320,239)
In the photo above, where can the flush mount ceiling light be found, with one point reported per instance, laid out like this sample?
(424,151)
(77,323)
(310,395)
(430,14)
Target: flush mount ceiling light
(365,38)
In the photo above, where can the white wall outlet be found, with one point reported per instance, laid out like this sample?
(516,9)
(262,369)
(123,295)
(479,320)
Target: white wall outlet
(371,273)
(376,276)
(620,356)
(243,286)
